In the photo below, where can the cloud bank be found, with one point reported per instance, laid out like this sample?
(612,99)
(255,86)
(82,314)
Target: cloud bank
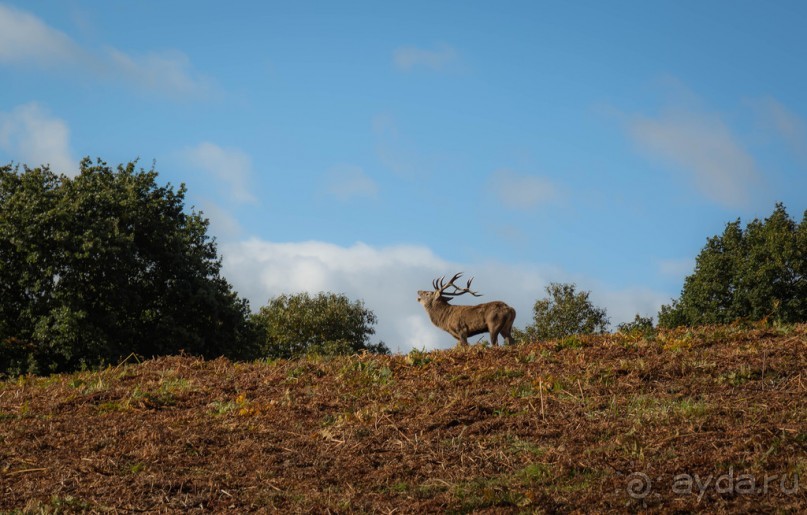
(387,280)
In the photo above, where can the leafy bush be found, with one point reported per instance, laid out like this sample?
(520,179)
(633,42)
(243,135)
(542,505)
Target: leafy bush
(642,326)
(328,324)
(565,312)
(755,273)
(105,264)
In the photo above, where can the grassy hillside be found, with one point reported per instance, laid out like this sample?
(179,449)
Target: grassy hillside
(715,419)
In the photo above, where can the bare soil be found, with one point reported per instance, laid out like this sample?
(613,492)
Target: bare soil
(710,420)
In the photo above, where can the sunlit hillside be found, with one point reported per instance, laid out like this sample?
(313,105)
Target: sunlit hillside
(711,419)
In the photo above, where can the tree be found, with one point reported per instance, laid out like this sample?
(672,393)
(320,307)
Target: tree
(104,264)
(754,273)
(565,312)
(295,325)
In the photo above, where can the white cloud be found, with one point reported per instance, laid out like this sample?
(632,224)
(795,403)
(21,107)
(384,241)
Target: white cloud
(788,125)
(168,72)
(439,59)
(387,280)
(347,182)
(703,146)
(32,136)
(27,40)
(522,191)
(230,165)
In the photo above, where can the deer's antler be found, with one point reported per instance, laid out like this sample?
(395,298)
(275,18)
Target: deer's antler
(440,287)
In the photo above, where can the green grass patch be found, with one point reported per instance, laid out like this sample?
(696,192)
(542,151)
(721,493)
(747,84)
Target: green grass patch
(369,373)
(645,407)
(570,342)
(418,358)
(166,393)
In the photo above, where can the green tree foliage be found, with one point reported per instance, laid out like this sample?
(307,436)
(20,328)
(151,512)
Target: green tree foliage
(295,325)
(104,264)
(639,326)
(755,273)
(565,312)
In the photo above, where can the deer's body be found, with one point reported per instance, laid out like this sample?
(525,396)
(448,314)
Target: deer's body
(463,322)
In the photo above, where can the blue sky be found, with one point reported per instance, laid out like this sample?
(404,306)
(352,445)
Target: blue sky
(366,147)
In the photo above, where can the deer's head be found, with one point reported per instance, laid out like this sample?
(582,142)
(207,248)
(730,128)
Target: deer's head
(439,295)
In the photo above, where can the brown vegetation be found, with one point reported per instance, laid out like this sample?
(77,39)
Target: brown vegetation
(560,426)
(462,322)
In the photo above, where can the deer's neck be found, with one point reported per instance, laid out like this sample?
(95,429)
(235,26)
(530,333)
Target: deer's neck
(439,311)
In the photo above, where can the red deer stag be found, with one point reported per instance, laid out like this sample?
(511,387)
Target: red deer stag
(463,321)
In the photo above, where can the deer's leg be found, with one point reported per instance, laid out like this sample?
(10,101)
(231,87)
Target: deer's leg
(507,331)
(508,338)
(460,337)
(494,337)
